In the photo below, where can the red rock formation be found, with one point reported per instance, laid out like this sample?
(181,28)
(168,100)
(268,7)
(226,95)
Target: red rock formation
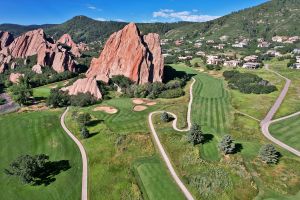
(37,69)
(5,39)
(48,53)
(67,40)
(14,77)
(84,86)
(128,53)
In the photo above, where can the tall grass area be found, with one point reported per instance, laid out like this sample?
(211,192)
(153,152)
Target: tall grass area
(38,133)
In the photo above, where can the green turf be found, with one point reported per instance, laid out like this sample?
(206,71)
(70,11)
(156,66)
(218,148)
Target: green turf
(287,131)
(37,133)
(155,180)
(44,91)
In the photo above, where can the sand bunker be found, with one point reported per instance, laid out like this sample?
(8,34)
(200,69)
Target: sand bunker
(139,108)
(107,109)
(144,101)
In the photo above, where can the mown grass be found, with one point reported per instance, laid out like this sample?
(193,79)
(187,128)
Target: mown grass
(291,103)
(155,180)
(38,133)
(287,131)
(44,91)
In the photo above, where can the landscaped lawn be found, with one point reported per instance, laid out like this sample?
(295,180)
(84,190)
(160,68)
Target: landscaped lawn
(38,133)
(287,131)
(44,91)
(155,180)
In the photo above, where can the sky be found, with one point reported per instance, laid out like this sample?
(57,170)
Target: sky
(57,11)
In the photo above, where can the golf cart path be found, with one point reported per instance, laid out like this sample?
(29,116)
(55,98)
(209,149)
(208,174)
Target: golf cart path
(84,188)
(267,121)
(163,153)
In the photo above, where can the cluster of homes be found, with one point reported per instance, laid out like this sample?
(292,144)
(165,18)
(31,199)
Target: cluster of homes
(296,53)
(249,62)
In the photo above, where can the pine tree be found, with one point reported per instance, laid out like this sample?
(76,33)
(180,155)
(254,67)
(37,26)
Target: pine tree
(227,145)
(269,154)
(195,135)
(165,117)
(85,132)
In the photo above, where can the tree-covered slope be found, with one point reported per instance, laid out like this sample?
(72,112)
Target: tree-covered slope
(276,17)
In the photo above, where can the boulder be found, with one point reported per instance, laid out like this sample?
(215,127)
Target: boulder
(37,69)
(86,85)
(6,39)
(13,65)
(14,77)
(128,53)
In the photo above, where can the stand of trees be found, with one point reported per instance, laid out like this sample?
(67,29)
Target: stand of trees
(21,92)
(248,83)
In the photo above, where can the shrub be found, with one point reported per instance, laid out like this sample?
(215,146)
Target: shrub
(195,135)
(173,93)
(58,98)
(82,99)
(269,154)
(227,145)
(2,101)
(83,118)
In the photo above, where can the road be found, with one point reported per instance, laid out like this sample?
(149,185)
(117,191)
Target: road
(163,153)
(84,188)
(267,121)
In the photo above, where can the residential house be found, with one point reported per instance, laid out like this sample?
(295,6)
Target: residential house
(273,53)
(198,44)
(200,53)
(251,65)
(296,66)
(210,42)
(213,60)
(252,58)
(298,59)
(232,63)
(185,57)
(296,51)
(219,46)
(224,38)
(263,44)
(179,42)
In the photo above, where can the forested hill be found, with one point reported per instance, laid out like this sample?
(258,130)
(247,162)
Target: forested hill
(84,29)
(276,17)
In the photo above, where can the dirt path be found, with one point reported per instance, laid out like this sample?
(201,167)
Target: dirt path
(267,121)
(163,153)
(84,189)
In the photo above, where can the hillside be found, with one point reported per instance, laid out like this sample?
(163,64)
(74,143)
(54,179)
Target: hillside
(276,17)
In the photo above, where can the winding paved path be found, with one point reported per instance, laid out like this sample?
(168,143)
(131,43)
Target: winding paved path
(84,188)
(163,153)
(267,121)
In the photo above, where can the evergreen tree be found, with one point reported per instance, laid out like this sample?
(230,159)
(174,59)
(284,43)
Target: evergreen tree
(227,145)
(165,117)
(269,154)
(85,132)
(195,135)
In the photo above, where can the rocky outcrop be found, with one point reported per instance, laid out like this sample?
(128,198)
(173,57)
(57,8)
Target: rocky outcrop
(48,53)
(86,85)
(37,69)
(14,77)
(67,40)
(128,53)
(6,39)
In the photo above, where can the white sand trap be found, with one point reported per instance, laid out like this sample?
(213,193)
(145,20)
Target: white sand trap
(107,109)
(143,101)
(139,108)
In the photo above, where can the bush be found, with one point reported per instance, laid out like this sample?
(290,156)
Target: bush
(173,93)
(268,154)
(58,98)
(2,101)
(83,118)
(195,135)
(82,99)
(85,132)
(165,117)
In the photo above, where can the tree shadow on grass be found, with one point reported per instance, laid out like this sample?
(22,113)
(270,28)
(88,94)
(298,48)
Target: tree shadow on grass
(46,175)
(170,74)
(93,134)
(208,138)
(95,122)
(238,147)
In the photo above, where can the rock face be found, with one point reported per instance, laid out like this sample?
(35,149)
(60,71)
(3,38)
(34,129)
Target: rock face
(128,53)
(37,69)
(5,39)
(14,77)
(84,86)
(67,40)
(48,53)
